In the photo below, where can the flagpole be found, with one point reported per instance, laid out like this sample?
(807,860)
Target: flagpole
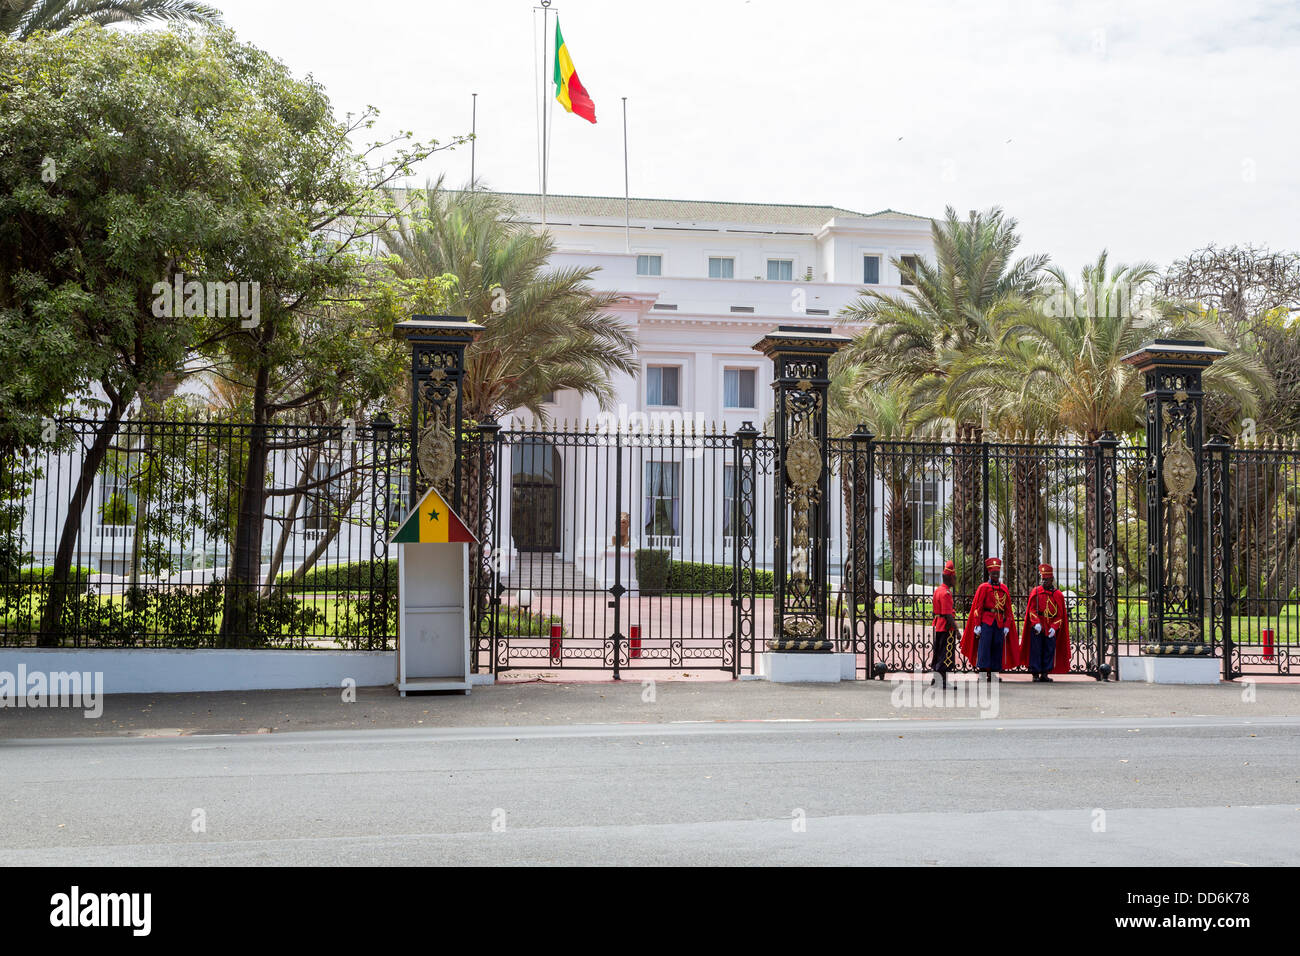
(627,201)
(473,132)
(546,23)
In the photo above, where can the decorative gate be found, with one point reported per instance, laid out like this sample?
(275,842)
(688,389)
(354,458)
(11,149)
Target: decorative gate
(654,558)
(909,506)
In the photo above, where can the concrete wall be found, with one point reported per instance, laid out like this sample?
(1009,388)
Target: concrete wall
(158,671)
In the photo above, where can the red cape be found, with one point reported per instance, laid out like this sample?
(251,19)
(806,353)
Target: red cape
(1062,663)
(1010,644)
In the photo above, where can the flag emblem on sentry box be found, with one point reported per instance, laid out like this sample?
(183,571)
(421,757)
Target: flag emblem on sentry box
(433,522)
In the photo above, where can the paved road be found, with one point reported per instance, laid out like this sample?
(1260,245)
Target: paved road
(1184,790)
(666,701)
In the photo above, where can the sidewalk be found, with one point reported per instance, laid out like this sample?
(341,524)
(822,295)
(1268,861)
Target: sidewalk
(665,701)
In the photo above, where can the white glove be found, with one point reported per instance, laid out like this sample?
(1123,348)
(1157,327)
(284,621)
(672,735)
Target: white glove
(1006,631)
(1038,629)
(1051,632)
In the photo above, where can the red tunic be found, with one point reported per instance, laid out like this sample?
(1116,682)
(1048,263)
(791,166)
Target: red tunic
(942,603)
(992,605)
(1048,609)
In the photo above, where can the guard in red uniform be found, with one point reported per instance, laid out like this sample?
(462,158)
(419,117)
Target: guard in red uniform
(1045,644)
(945,625)
(990,641)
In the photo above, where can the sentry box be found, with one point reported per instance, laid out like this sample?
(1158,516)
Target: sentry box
(433,598)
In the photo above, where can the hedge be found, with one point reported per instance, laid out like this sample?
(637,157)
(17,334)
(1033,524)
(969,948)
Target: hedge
(342,577)
(692,576)
(656,573)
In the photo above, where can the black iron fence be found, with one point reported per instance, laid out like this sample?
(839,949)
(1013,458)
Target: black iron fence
(920,504)
(615,549)
(1254,555)
(620,549)
(201,532)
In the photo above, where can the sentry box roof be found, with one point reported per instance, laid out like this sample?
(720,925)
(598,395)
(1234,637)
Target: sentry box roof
(432,521)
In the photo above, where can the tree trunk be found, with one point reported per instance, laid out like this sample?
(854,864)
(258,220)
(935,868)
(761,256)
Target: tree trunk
(277,556)
(243,577)
(1030,521)
(51,632)
(967,502)
(899,519)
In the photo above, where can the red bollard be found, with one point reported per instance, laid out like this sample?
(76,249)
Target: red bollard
(557,641)
(635,630)
(1268,643)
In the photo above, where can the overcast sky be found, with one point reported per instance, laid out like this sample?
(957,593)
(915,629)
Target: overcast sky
(1149,128)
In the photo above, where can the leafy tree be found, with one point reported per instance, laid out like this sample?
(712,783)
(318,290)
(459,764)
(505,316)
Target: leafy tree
(131,159)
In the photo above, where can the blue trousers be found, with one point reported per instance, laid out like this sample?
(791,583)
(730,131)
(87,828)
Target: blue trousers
(1042,652)
(989,652)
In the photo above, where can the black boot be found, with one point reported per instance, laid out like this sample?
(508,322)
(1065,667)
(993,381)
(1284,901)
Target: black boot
(1047,679)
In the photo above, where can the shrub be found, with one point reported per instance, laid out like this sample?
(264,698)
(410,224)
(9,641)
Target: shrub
(278,621)
(651,570)
(520,621)
(365,623)
(40,577)
(692,576)
(359,575)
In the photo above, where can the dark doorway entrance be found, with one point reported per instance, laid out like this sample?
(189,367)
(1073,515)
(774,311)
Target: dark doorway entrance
(535,496)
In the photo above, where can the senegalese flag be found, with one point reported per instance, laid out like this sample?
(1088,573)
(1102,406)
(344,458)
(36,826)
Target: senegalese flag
(433,522)
(568,88)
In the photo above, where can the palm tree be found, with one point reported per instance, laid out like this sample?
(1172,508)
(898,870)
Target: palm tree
(945,310)
(1062,363)
(545,329)
(889,413)
(1060,366)
(21,19)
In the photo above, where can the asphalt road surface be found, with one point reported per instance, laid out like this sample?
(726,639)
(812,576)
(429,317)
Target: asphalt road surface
(1128,791)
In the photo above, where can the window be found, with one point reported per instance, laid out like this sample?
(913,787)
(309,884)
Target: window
(780,269)
(871,270)
(662,511)
(399,496)
(911,262)
(721,268)
(738,388)
(661,385)
(548,398)
(649,265)
(925,510)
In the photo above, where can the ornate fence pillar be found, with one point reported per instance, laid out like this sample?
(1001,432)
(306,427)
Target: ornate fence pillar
(1103,562)
(1218,453)
(860,477)
(1175,496)
(744,531)
(801,359)
(438,344)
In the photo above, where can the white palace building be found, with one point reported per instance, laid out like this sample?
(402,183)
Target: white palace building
(699,283)
(703,281)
